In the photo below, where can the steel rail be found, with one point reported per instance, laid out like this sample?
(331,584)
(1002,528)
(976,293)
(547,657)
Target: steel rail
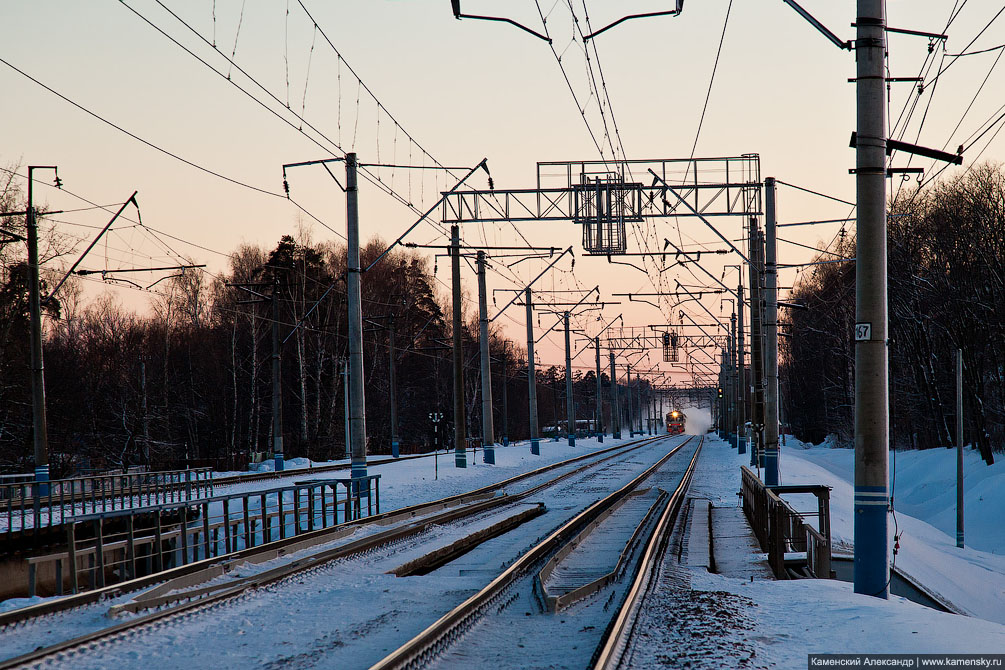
(129,628)
(428,644)
(610,652)
(476,505)
(277,549)
(558,601)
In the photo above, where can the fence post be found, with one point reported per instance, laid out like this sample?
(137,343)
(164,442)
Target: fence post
(184,535)
(249,540)
(282,516)
(205,526)
(266,528)
(310,508)
(778,545)
(131,545)
(99,550)
(226,525)
(71,548)
(158,537)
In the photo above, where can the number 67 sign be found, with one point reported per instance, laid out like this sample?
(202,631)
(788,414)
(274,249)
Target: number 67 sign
(863,332)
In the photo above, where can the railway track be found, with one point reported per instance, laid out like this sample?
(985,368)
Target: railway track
(185,591)
(516,589)
(609,653)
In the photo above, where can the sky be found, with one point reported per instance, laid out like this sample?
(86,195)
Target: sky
(438,90)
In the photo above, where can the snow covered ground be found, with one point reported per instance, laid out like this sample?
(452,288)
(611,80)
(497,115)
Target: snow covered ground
(924,486)
(724,622)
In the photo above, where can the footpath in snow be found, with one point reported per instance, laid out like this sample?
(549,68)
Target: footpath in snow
(777,623)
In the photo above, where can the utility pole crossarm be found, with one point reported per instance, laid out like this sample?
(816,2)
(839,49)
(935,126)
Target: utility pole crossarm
(699,215)
(516,295)
(132,199)
(483,164)
(824,30)
(568,311)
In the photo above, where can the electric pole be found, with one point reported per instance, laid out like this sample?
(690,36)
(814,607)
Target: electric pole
(357,399)
(535,443)
(628,390)
(615,401)
(277,380)
(600,398)
(460,427)
(741,399)
(392,390)
(40,433)
(872,418)
(488,430)
(734,380)
(505,396)
(344,364)
(146,413)
(756,348)
(771,342)
(959,448)
(570,402)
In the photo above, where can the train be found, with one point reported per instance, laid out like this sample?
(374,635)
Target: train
(676,422)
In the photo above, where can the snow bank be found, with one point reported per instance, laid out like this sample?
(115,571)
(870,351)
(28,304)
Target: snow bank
(790,619)
(924,486)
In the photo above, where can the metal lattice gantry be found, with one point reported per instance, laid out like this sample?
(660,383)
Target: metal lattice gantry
(656,341)
(604,196)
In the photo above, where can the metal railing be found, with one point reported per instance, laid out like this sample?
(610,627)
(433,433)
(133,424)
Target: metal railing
(120,545)
(794,547)
(36,505)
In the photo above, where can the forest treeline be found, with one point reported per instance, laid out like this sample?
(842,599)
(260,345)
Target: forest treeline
(190,381)
(946,262)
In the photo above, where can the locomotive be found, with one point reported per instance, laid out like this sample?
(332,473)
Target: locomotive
(675,422)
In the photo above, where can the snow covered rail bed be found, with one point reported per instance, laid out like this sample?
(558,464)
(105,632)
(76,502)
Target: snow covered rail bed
(491,635)
(609,654)
(237,577)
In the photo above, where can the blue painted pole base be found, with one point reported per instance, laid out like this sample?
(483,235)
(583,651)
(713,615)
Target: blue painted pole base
(771,467)
(460,458)
(42,475)
(489,455)
(741,445)
(535,446)
(572,440)
(505,441)
(872,561)
(600,438)
(616,435)
(358,471)
(395,450)
(279,463)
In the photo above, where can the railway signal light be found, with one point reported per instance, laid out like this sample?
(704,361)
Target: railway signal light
(720,392)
